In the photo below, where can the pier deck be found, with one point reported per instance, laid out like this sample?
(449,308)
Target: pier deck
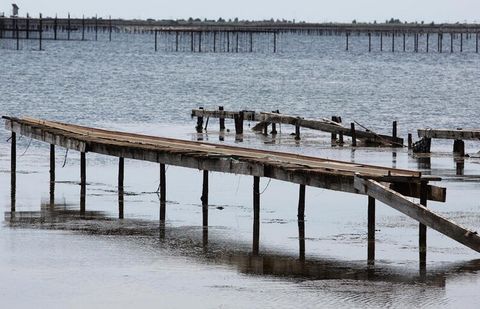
(388,185)
(458,135)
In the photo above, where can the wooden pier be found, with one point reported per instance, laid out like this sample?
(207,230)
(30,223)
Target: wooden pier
(458,135)
(385,184)
(265,119)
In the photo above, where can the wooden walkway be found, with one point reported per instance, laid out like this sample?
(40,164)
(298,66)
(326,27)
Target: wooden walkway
(265,119)
(385,184)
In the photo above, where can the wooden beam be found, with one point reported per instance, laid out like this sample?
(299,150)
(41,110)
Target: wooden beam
(459,134)
(418,212)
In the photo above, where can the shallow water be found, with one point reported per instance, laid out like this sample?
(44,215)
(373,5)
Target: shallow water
(51,255)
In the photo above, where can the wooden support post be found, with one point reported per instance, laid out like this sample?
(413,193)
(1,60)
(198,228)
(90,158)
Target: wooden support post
(459,147)
(461,42)
(333,137)
(393,41)
(163,192)
(410,141)
(354,135)
(192,48)
(40,32)
(236,43)
(204,199)
(394,129)
(96,28)
(228,41)
(369,42)
(301,222)
(52,174)
(83,28)
(27,27)
(214,41)
(340,134)
(476,42)
(110,28)
(371,231)
(121,169)
(200,41)
(274,42)
(297,129)
(422,237)
(251,42)
(17,35)
(404,40)
(83,182)
(238,118)
(221,120)
(68,29)
(428,41)
(13,170)
(381,41)
(199,126)
(451,42)
(256,215)
(55,27)
(176,41)
(265,128)
(346,41)
(274,124)
(156,48)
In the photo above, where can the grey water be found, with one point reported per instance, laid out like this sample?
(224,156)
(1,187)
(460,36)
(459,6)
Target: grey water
(53,256)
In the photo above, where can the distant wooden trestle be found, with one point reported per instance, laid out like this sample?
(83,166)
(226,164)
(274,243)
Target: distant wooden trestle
(388,185)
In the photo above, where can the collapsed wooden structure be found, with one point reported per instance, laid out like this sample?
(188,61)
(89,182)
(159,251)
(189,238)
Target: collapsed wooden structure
(458,135)
(385,184)
(265,119)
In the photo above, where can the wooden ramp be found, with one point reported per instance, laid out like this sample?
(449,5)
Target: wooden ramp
(267,118)
(417,212)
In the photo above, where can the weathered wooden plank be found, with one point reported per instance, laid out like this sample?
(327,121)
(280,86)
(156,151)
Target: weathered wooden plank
(459,134)
(417,212)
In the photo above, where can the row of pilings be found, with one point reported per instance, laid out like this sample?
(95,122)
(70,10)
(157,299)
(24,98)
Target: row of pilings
(254,37)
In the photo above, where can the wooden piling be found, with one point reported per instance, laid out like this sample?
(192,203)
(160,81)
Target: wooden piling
(83,181)
(156,40)
(96,28)
(163,192)
(221,120)
(256,214)
(428,41)
(68,29)
(204,198)
(274,124)
(346,39)
(199,126)
(110,28)
(200,41)
(297,130)
(451,42)
(238,118)
(410,141)
(121,169)
(176,41)
(301,222)
(274,42)
(27,27)
(404,41)
(394,129)
(236,42)
(40,31)
(393,41)
(55,28)
(459,147)
(52,174)
(371,231)
(13,170)
(214,41)
(83,28)
(461,42)
(476,42)
(381,41)
(251,42)
(17,35)
(192,48)
(353,134)
(369,42)
(422,238)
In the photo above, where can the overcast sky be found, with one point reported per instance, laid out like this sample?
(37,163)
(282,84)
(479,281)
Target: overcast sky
(307,10)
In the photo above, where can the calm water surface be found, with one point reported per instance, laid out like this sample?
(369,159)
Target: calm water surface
(52,256)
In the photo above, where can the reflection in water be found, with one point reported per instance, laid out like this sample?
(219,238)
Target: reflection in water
(424,162)
(460,166)
(191,242)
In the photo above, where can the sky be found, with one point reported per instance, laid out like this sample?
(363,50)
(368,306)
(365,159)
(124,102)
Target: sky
(300,10)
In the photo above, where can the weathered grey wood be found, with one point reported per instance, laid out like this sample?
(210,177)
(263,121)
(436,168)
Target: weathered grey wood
(418,212)
(334,178)
(204,198)
(121,169)
(315,124)
(256,215)
(459,134)
(371,231)
(13,170)
(422,228)
(163,192)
